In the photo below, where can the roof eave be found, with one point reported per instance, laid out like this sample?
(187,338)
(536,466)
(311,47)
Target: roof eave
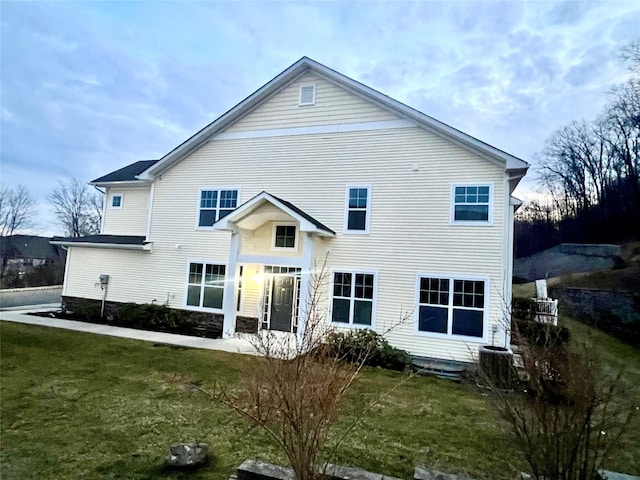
(464,140)
(118,246)
(122,183)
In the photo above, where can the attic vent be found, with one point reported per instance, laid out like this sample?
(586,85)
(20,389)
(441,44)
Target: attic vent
(307,95)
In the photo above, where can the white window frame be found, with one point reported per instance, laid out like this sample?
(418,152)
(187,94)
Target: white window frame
(186,286)
(346,230)
(217,209)
(273,236)
(112,197)
(450,308)
(307,104)
(452,213)
(352,298)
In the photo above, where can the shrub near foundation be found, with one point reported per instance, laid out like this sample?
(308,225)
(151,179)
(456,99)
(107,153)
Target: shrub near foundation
(354,346)
(149,315)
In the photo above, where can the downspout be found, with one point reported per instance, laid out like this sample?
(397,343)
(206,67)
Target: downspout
(104,206)
(508,244)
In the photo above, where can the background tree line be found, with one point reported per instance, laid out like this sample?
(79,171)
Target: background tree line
(588,173)
(78,211)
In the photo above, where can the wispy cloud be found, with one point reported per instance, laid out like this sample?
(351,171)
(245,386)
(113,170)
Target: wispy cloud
(88,87)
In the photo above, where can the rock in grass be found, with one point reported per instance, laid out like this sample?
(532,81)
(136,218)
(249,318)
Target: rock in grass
(187,455)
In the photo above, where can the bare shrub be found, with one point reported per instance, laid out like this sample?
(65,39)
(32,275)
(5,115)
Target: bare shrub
(567,413)
(296,388)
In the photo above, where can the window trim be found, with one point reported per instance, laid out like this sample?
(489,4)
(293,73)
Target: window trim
(374,300)
(273,237)
(450,336)
(452,207)
(186,285)
(198,208)
(307,104)
(346,230)
(112,197)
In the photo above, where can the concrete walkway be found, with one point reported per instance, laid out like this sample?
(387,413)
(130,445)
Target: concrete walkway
(21,315)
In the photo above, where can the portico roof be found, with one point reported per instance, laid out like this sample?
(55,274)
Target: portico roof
(252,214)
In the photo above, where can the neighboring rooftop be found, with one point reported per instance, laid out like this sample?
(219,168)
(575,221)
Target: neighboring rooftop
(29,246)
(126,174)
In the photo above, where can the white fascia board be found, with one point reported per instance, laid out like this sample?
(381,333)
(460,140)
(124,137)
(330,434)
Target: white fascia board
(127,183)
(117,246)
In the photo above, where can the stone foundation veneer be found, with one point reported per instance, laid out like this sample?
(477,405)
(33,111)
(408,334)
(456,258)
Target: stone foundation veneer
(202,324)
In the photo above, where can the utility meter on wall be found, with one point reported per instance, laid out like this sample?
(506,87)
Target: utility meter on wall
(104,279)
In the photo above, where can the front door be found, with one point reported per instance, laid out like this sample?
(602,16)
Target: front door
(282,302)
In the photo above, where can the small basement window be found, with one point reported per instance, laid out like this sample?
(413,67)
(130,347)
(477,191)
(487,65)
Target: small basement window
(307,95)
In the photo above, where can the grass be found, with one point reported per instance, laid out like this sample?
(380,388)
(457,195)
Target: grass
(77,405)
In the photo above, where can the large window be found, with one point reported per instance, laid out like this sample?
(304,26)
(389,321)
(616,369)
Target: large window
(205,287)
(216,204)
(358,209)
(451,306)
(471,204)
(353,298)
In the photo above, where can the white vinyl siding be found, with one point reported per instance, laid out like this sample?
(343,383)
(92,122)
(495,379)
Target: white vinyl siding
(333,105)
(130,218)
(409,229)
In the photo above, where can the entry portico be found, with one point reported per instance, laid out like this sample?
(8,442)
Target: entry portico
(279,238)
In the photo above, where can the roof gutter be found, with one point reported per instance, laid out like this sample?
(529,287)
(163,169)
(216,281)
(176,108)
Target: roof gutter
(118,246)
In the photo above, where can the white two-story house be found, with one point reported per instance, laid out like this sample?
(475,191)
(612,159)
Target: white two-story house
(412,217)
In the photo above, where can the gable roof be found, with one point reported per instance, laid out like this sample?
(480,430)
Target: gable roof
(125,174)
(306,221)
(302,66)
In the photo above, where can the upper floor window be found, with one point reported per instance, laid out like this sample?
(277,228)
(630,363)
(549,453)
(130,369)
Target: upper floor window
(307,95)
(284,236)
(451,306)
(216,204)
(116,200)
(471,204)
(353,296)
(357,209)
(205,286)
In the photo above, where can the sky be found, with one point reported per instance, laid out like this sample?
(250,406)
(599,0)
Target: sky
(87,87)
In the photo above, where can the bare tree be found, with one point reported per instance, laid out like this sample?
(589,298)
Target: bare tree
(77,208)
(16,212)
(16,209)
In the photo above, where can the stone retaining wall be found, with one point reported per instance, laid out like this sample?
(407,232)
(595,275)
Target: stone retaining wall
(614,312)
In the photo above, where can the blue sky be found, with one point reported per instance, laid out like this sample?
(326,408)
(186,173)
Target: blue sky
(88,87)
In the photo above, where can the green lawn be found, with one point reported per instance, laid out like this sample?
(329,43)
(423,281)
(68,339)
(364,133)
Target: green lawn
(77,405)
